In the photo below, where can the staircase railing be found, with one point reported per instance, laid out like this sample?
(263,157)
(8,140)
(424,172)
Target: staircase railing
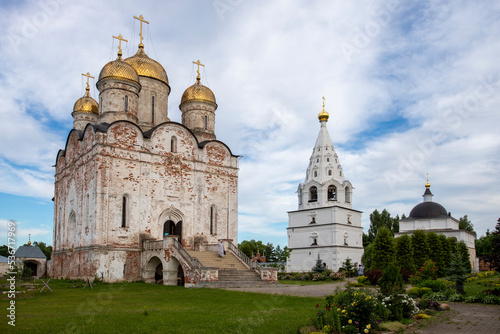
(243,257)
(188,258)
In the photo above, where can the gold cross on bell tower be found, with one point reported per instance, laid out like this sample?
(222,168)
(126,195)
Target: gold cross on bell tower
(323,102)
(141,18)
(120,39)
(198,71)
(88,77)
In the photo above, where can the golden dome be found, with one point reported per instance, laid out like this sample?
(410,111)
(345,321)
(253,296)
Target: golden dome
(147,67)
(119,69)
(427,185)
(323,115)
(198,92)
(86,104)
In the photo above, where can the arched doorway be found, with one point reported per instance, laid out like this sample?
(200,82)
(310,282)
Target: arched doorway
(171,228)
(180,275)
(33,266)
(155,271)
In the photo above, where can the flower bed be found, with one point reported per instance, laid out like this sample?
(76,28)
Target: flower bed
(327,275)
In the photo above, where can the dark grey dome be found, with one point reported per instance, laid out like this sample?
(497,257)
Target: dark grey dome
(428,210)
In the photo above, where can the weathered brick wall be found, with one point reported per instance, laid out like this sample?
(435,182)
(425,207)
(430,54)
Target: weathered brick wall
(95,173)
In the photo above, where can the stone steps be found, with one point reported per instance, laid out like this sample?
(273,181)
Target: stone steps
(212,259)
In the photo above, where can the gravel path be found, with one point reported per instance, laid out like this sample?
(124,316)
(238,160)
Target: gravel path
(320,290)
(463,318)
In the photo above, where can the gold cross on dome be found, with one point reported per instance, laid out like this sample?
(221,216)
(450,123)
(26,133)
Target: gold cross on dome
(199,64)
(323,102)
(120,39)
(141,18)
(88,77)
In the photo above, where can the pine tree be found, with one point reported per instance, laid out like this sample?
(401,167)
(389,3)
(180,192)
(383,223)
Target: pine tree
(404,253)
(349,268)
(420,248)
(464,253)
(457,271)
(383,249)
(319,267)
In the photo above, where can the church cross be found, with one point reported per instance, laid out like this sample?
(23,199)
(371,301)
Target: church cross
(199,64)
(323,102)
(141,18)
(120,39)
(88,77)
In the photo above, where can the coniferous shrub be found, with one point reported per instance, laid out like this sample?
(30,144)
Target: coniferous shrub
(457,271)
(464,253)
(404,253)
(318,267)
(391,281)
(444,256)
(383,249)
(420,248)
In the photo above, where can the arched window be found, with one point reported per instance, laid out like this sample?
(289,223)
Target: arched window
(314,239)
(315,174)
(213,229)
(332,193)
(124,211)
(173,144)
(347,195)
(330,172)
(126,103)
(300,196)
(152,109)
(313,194)
(100,106)
(205,120)
(346,237)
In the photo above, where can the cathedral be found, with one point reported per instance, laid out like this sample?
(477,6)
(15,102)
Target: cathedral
(137,195)
(325,223)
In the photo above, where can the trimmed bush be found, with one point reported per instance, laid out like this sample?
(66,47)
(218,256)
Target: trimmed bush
(414,292)
(363,280)
(435,285)
(424,291)
(374,275)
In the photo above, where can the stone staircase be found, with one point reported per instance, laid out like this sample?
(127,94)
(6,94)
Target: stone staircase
(233,273)
(212,259)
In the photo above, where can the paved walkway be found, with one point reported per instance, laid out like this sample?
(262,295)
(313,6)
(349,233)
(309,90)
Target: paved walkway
(461,319)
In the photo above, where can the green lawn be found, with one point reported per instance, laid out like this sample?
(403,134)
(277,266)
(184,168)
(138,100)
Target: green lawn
(290,282)
(149,308)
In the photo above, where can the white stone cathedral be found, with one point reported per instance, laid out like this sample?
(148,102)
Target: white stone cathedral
(325,222)
(134,192)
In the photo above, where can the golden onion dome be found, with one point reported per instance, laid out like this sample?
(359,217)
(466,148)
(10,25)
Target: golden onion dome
(119,69)
(86,104)
(147,67)
(323,115)
(198,92)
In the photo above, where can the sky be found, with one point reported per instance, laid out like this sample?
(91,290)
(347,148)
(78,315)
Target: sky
(411,88)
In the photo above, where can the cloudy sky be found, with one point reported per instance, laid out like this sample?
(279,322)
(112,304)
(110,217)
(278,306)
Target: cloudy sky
(411,88)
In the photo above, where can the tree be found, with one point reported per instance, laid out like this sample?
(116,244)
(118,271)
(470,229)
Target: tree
(494,257)
(484,245)
(457,270)
(444,256)
(366,259)
(4,250)
(318,267)
(383,249)
(435,250)
(404,253)
(254,247)
(282,254)
(465,224)
(464,253)
(379,220)
(348,267)
(420,248)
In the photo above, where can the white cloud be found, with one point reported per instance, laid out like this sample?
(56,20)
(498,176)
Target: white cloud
(432,65)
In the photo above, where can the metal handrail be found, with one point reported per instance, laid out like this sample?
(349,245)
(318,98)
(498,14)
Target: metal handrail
(188,258)
(243,257)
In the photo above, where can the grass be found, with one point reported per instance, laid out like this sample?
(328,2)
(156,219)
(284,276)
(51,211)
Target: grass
(149,308)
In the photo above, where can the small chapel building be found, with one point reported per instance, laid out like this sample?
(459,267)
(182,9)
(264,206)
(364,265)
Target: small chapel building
(325,223)
(432,216)
(137,195)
